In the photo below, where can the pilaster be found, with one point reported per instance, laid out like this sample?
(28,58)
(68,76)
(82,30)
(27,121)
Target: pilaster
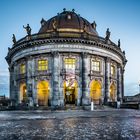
(107,79)
(85,79)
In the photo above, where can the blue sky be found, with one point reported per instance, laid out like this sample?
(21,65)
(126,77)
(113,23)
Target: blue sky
(121,16)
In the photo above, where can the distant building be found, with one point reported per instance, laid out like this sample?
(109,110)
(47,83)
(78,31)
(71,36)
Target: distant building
(135,98)
(66,62)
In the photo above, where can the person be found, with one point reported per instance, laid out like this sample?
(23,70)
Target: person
(28,29)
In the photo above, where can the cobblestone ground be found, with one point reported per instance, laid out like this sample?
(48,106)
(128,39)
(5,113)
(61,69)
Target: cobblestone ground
(70,125)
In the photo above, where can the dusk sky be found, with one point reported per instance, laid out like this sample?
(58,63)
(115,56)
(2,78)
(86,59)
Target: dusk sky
(122,17)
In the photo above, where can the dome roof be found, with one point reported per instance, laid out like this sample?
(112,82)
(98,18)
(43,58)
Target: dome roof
(68,21)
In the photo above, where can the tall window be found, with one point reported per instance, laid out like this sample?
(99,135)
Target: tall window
(95,65)
(42,65)
(22,68)
(112,70)
(70,63)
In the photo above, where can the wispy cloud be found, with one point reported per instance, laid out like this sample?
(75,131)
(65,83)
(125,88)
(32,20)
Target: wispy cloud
(4,72)
(131,89)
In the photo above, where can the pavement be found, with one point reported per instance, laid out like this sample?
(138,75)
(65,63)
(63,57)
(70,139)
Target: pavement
(107,124)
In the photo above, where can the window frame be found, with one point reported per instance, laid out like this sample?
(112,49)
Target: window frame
(22,68)
(42,65)
(95,65)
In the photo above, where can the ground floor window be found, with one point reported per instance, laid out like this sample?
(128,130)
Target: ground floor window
(95,91)
(43,89)
(112,92)
(23,93)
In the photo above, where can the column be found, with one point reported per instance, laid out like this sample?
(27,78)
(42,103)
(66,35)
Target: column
(122,83)
(107,80)
(29,69)
(55,80)
(85,79)
(119,84)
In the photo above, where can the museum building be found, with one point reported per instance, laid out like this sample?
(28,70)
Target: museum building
(66,62)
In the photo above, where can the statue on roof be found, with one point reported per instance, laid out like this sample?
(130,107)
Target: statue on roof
(64,9)
(73,10)
(28,29)
(107,34)
(94,25)
(119,43)
(54,24)
(85,26)
(42,22)
(14,39)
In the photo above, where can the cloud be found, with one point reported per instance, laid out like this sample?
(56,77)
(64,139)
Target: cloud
(4,72)
(131,89)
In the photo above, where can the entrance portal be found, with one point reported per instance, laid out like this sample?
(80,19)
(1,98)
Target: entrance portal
(23,93)
(95,91)
(112,92)
(70,92)
(43,93)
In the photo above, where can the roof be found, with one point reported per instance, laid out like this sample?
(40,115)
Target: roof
(68,21)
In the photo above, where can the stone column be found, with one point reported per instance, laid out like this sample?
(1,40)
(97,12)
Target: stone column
(122,83)
(29,69)
(119,83)
(107,80)
(55,80)
(85,79)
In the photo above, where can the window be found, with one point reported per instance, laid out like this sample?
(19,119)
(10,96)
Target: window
(95,65)
(42,65)
(112,70)
(70,63)
(22,68)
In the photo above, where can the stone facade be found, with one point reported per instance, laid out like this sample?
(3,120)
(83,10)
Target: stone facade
(29,50)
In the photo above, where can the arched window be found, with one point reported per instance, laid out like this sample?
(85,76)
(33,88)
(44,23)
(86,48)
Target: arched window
(113,70)
(22,68)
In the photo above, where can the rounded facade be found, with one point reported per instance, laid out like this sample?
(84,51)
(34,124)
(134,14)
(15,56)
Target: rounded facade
(66,62)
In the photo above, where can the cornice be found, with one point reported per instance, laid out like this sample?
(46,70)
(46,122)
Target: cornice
(37,41)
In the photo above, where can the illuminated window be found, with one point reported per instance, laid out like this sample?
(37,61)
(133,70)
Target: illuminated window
(42,65)
(22,68)
(95,65)
(112,70)
(70,63)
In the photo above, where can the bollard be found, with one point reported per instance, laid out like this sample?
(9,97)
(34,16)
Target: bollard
(92,106)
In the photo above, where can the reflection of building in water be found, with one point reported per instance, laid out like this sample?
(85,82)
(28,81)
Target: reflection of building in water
(66,62)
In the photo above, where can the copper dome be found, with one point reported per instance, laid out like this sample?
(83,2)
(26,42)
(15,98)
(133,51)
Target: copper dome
(68,21)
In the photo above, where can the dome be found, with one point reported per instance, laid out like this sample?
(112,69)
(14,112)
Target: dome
(68,22)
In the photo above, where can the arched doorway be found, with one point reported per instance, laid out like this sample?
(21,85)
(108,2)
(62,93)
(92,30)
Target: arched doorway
(23,93)
(112,92)
(95,91)
(70,91)
(43,93)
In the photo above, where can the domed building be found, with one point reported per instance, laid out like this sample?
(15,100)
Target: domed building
(66,62)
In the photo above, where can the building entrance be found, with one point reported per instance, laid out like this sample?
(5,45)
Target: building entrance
(70,92)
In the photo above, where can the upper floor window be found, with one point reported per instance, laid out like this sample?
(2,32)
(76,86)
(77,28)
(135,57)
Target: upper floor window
(95,65)
(42,65)
(112,70)
(70,63)
(22,68)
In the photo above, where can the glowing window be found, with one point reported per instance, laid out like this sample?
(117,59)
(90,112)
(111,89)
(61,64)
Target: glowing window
(22,68)
(95,65)
(42,65)
(70,63)
(112,70)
